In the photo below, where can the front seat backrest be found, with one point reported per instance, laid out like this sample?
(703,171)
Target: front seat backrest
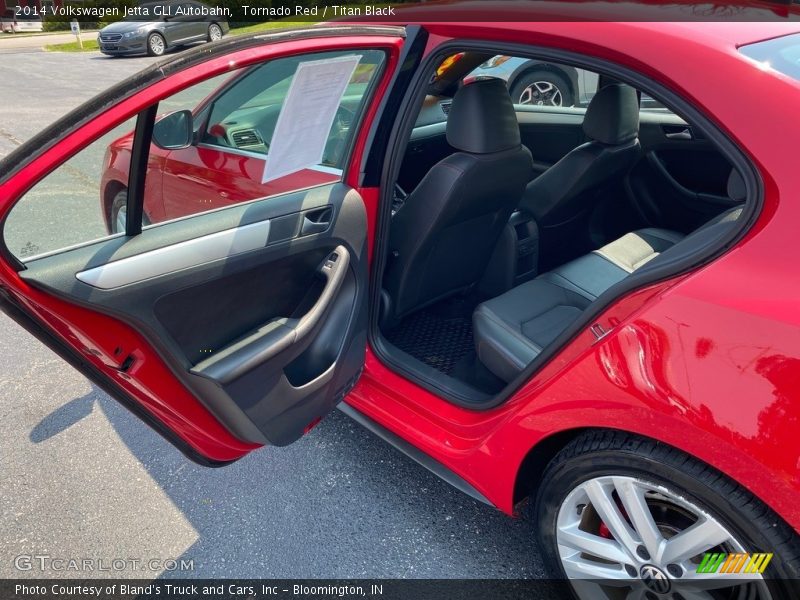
(443,236)
(568,189)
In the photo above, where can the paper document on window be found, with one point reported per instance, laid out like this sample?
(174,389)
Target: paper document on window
(307,115)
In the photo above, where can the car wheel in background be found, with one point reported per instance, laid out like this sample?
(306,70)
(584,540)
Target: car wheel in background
(214,32)
(156,44)
(118,214)
(616,511)
(542,88)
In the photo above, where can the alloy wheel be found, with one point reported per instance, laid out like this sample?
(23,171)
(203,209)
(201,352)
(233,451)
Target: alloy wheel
(157,45)
(214,33)
(622,537)
(541,93)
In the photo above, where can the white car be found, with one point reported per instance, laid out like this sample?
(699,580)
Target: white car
(13,24)
(539,83)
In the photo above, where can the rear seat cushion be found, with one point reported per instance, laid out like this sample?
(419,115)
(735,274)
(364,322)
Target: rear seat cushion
(512,329)
(594,273)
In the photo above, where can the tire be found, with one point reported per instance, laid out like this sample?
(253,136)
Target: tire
(156,44)
(119,205)
(214,32)
(673,486)
(542,88)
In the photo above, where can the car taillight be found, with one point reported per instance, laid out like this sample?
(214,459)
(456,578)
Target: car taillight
(495,61)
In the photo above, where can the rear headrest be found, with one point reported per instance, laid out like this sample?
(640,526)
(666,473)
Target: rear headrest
(736,188)
(482,118)
(612,116)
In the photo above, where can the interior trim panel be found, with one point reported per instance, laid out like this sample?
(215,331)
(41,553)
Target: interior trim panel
(276,330)
(177,256)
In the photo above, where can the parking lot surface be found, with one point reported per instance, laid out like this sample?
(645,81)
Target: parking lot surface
(19,43)
(82,478)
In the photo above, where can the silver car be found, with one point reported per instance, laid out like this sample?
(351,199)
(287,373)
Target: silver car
(136,36)
(539,83)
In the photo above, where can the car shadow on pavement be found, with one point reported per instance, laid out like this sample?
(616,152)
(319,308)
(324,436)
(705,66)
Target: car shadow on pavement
(339,503)
(64,417)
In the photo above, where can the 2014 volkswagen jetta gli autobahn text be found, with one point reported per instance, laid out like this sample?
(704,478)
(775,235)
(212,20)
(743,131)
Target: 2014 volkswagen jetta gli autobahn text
(588,303)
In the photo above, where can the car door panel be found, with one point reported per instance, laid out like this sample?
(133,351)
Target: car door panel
(681,180)
(550,133)
(214,177)
(697,169)
(225,330)
(177,30)
(208,310)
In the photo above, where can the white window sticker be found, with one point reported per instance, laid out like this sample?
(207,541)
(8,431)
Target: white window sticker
(307,115)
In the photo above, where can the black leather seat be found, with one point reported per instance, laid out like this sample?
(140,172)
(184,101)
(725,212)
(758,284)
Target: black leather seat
(444,234)
(512,329)
(561,198)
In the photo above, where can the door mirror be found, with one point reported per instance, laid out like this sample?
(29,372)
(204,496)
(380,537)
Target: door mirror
(174,131)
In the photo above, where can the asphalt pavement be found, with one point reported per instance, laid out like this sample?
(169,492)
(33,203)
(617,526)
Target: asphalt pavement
(19,43)
(84,479)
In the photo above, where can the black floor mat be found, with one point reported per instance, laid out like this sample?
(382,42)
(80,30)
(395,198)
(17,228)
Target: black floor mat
(441,337)
(439,342)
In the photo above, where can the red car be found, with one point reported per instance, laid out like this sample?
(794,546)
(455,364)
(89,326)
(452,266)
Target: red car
(591,308)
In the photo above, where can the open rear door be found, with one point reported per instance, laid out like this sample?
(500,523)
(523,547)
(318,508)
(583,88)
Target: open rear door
(148,239)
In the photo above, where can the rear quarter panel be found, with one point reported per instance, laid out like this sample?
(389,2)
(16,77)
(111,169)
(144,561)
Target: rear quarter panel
(709,363)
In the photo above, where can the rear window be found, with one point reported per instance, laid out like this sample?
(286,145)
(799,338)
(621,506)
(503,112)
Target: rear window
(781,54)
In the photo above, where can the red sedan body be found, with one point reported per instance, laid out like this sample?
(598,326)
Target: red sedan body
(197,179)
(707,362)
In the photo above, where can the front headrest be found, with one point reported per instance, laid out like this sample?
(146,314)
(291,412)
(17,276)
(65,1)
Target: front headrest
(482,118)
(612,116)
(736,188)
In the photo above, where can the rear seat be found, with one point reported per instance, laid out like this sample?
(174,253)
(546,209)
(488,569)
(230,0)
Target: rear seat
(593,274)
(513,328)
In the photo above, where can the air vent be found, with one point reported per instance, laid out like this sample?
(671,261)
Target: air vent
(246,137)
(446,107)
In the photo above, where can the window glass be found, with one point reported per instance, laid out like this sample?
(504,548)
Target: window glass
(538,83)
(211,144)
(781,54)
(233,122)
(65,208)
(535,83)
(649,104)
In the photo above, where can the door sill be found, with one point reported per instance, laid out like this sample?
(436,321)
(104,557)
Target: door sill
(414,453)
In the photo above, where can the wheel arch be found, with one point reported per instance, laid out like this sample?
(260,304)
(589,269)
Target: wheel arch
(538,457)
(541,453)
(567,72)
